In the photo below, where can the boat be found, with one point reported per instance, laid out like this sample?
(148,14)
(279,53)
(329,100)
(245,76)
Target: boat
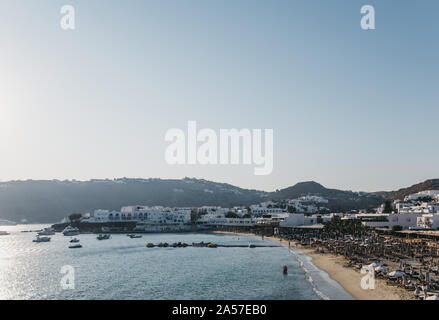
(70,231)
(74,240)
(135,236)
(103,237)
(150,245)
(4,233)
(75,246)
(212,245)
(46,232)
(41,239)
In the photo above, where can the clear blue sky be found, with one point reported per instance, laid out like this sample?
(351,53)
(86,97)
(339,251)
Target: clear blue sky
(351,109)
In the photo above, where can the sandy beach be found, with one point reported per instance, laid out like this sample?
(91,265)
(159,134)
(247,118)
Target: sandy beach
(349,279)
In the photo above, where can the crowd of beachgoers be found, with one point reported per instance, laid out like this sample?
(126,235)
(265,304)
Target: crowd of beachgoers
(411,264)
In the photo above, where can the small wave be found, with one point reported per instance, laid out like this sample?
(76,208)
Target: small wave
(332,290)
(308,277)
(320,294)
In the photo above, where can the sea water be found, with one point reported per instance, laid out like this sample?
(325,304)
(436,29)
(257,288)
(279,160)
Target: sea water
(124,268)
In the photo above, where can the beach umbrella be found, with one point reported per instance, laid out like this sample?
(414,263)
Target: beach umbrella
(375,264)
(396,274)
(381,268)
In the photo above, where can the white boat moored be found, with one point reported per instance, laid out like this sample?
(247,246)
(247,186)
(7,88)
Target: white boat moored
(70,231)
(41,239)
(46,232)
(103,237)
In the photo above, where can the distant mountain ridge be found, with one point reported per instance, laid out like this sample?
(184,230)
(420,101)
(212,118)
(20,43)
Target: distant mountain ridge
(339,200)
(51,200)
(431,184)
(305,188)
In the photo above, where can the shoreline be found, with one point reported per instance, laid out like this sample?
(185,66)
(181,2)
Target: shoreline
(348,279)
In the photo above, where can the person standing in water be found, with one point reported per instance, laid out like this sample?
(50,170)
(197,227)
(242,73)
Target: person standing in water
(285,270)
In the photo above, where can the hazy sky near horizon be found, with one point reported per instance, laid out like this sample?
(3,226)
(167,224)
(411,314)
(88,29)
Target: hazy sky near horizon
(351,109)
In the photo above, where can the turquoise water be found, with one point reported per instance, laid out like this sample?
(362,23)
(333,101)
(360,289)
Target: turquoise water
(123,268)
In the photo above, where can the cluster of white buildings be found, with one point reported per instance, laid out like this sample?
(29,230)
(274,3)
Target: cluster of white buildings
(216,216)
(151,219)
(212,210)
(308,204)
(417,212)
(300,219)
(412,207)
(389,220)
(412,213)
(260,211)
(373,220)
(433,194)
(162,219)
(156,215)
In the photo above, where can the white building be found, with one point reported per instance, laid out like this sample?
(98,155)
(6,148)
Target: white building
(424,207)
(149,215)
(386,220)
(212,216)
(258,211)
(299,219)
(100,216)
(402,206)
(428,221)
(434,194)
(293,220)
(269,218)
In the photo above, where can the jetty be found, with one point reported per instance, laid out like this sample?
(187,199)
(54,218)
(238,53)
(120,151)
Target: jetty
(210,245)
(247,246)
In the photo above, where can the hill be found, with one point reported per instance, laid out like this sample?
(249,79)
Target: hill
(50,201)
(432,184)
(338,200)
